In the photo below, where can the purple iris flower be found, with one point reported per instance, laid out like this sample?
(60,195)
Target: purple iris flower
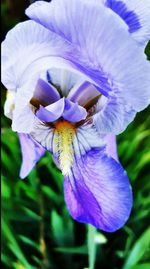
(77,75)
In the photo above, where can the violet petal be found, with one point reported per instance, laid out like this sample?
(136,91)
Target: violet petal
(98,192)
(31,153)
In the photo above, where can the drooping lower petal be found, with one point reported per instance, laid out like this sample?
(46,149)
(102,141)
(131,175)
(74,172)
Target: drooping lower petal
(98,192)
(43,134)
(111,146)
(71,142)
(31,153)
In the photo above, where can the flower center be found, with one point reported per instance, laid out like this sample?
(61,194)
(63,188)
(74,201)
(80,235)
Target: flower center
(64,133)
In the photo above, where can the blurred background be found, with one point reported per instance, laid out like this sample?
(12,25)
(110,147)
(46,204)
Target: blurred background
(37,231)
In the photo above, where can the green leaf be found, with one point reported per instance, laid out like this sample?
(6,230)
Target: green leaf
(5,259)
(51,194)
(13,245)
(6,192)
(139,249)
(31,214)
(142,266)
(29,242)
(145,159)
(62,228)
(75,250)
(57,227)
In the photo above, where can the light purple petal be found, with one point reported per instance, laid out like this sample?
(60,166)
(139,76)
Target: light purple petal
(23,115)
(62,108)
(31,153)
(107,63)
(136,14)
(111,146)
(128,15)
(112,115)
(73,112)
(43,134)
(45,93)
(64,78)
(107,55)
(29,49)
(98,192)
(84,139)
(83,93)
(52,112)
(9,104)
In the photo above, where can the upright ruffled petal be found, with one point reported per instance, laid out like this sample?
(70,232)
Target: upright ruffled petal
(136,14)
(64,79)
(117,65)
(9,104)
(29,49)
(112,115)
(98,192)
(31,153)
(23,115)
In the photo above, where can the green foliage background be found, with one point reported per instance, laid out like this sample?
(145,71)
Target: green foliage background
(37,231)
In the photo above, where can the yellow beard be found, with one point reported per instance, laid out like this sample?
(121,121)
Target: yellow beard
(64,133)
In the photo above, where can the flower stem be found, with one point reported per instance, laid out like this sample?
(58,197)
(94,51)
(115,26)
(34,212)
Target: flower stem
(91,246)
(45,262)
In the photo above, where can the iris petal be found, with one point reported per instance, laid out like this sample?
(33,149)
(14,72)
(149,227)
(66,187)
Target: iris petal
(111,146)
(98,192)
(129,16)
(31,153)
(136,14)
(117,65)
(112,115)
(43,134)
(73,112)
(35,49)
(64,78)
(44,93)
(52,112)
(62,108)
(9,104)
(83,93)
